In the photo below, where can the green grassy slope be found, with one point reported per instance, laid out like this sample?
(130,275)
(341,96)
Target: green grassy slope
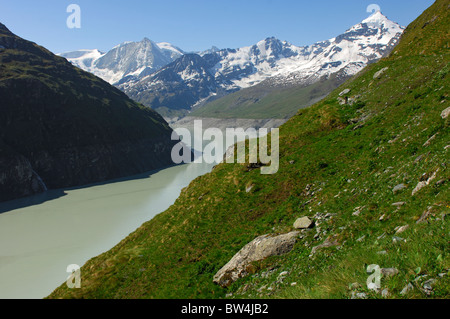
(263,102)
(334,159)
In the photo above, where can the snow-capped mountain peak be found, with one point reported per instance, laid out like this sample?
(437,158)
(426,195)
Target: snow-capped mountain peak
(126,59)
(377,19)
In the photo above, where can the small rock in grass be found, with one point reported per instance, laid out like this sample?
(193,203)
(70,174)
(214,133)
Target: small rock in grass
(329,242)
(419,278)
(423,183)
(303,223)
(408,288)
(262,288)
(428,142)
(397,239)
(361,238)
(418,159)
(425,215)
(354,285)
(428,285)
(445,113)
(342,101)
(359,295)
(401,229)
(440,182)
(380,73)
(381,236)
(389,272)
(399,204)
(398,188)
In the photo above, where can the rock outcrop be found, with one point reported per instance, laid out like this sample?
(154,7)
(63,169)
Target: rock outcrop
(17,177)
(259,249)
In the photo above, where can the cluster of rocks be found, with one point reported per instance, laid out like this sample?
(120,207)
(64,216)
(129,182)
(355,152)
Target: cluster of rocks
(344,99)
(357,210)
(425,180)
(266,246)
(276,245)
(268,288)
(311,191)
(422,283)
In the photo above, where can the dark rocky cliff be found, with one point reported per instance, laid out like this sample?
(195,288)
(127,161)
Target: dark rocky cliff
(63,127)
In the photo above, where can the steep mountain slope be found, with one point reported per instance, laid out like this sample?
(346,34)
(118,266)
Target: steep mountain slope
(126,60)
(265,101)
(61,126)
(280,63)
(372,174)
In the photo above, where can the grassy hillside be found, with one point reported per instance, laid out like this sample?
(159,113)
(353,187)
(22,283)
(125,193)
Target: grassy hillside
(339,165)
(266,102)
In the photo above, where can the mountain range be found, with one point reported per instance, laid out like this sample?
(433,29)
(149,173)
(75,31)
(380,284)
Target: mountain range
(164,77)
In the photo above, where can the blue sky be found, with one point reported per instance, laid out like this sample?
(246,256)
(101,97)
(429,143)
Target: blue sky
(193,25)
